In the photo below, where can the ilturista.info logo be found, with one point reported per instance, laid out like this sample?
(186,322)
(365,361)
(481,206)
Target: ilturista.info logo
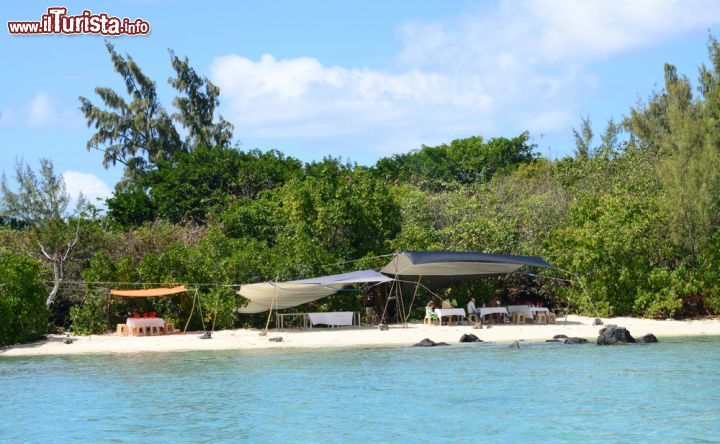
(57,21)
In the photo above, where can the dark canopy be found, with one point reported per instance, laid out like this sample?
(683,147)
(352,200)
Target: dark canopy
(442,268)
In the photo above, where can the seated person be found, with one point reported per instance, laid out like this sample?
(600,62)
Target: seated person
(447,303)
(430,310)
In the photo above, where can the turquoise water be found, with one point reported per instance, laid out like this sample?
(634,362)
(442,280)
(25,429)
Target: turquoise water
(666,392)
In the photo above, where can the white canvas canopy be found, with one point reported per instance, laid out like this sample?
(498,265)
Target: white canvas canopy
(279,295)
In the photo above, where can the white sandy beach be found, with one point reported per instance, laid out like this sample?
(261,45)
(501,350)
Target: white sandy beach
(249,339)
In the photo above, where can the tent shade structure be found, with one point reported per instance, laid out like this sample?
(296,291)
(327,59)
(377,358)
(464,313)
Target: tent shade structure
(279,295)
(149,292)
(440,267)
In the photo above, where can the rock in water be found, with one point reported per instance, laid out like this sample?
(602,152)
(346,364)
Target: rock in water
(647,338)
(429,343)
(470,338)
(613,335)
(560,337)
(576,341)
(552,340)
(515,344)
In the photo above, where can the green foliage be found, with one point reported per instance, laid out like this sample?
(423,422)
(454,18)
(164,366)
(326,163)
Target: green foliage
(130,206)
(197,107)
(90,317)
(137,133)
(464,161)
(23,315)
(636,217)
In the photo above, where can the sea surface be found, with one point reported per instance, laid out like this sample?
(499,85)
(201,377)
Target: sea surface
(665,392)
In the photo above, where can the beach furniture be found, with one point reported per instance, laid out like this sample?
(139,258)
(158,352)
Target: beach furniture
(485,311)
(550,317)
(431,317)
(452,315)
(540,318)
(143,326)
(169,328)
(525,310)
(333,318)
(518,317)
(122,330)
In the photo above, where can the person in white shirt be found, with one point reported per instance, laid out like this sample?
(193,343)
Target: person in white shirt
(471,308)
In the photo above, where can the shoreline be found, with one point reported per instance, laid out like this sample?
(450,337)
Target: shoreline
(353,337)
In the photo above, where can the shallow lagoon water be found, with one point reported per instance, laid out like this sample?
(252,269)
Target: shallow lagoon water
(666,392)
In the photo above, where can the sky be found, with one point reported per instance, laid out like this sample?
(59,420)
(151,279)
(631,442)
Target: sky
(360,80)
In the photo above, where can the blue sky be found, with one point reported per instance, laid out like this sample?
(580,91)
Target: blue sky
(360,80)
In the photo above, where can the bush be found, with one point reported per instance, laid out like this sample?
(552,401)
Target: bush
(90,317)
(23,314)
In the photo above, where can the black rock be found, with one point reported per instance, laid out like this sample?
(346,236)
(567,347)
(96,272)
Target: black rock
(598,321)
(560,337)
(553,340)
(383,327)
(613,335)
(515,344)
(647,338)
(576,341)
(429,343)
(276,339)
(470,338)
(206,335)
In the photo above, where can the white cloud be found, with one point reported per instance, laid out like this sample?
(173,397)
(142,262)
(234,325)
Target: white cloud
(40,112)
(504,67)
(92,187)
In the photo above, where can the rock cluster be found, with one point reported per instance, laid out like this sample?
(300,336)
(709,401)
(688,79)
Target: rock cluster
(576,341)
(429,343)
(614,335)
(647,338)
(470,338)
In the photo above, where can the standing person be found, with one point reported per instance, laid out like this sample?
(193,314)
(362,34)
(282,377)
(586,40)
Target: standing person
(471,307)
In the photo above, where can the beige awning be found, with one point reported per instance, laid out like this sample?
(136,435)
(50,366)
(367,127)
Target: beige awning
(279,295)
(149,292)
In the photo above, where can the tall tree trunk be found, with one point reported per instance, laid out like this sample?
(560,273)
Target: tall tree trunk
(57,281)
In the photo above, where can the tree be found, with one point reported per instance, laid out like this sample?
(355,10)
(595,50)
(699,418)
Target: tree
(583,139)
(22,298)
(132,133)
(683,132)
(463,161)
(41,202)
(197,107)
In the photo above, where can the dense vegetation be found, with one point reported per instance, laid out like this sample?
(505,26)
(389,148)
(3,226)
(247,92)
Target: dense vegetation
(635,215)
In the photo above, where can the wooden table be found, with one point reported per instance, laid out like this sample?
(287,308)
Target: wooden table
(144,322)
(484,311)
(449,312)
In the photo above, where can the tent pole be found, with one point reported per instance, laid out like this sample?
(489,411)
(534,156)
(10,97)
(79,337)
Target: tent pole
(401,305)
(387,301)
(413,299)
(272,303)
(192,310)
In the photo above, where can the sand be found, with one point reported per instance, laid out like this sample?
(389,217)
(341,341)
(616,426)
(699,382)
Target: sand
(250,339)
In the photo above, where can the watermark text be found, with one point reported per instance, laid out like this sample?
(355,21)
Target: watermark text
(57,21)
